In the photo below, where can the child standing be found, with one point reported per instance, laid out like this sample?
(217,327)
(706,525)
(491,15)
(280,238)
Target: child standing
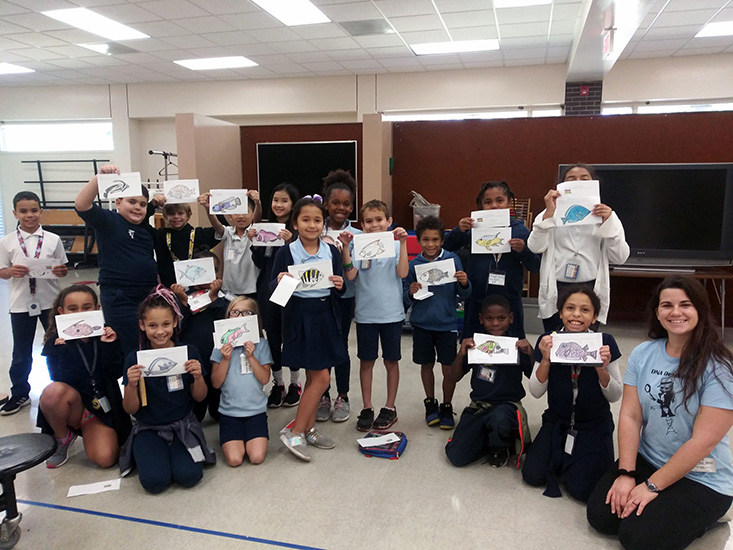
(311,324)
(84,397)
(167,442)
(241,373)
(434,320)
(379,313)
(495,419)
(30,298)
(575,441)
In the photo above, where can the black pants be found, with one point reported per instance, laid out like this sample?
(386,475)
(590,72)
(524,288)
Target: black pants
(479,429)
(160,464)
(681,513)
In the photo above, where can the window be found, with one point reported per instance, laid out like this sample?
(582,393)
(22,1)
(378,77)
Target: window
(56,136)
(684,108)
(617,110)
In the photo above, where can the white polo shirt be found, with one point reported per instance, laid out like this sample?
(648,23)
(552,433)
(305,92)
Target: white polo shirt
(240,272)
(12,254)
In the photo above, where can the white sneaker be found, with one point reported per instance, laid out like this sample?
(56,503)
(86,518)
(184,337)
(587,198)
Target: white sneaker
(295,443)
(341,410)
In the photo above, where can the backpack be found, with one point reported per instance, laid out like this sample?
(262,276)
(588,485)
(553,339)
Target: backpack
(388,450)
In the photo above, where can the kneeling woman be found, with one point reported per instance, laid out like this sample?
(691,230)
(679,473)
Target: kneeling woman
(674,477)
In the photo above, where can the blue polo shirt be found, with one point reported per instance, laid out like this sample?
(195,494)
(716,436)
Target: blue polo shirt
(242,394)
(300,256)
(379,290)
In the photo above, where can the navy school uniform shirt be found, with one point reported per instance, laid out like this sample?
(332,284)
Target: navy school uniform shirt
(164,407)
(197,328)
(180,247)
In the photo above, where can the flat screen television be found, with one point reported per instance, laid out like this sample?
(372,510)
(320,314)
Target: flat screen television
(673,214)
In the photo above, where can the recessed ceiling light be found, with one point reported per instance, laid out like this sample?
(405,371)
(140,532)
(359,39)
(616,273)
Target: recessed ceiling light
(212,63)
(520,3)
(9,68)
(721,28)
(109,48)
(367,27)
(458,46)
(293,12)
(87,20)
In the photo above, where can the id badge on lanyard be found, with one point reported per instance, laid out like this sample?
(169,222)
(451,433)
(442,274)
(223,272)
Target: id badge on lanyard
(497,277)
(34,307)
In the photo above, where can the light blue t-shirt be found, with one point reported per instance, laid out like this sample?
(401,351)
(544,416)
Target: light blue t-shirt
(300,256)
(379,290)
(667,423)
(242,395)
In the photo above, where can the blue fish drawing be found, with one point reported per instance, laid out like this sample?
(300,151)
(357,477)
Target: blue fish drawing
(160,365)
(227,204)
(575,213)
(192,272)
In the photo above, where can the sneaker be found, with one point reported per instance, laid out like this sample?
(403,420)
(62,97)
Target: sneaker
(446,417)
(14,404)
(292,398)
(295,443)
(323,412)
(318,440)
(498,456)
(432,412)
(61,455)
(387,417)
(341,410)
(365,420)
(277,396)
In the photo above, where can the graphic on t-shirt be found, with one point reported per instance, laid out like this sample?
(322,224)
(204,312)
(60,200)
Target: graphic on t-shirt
(487,374)
(665,396)
(131,232)
(573,350)
(574,214)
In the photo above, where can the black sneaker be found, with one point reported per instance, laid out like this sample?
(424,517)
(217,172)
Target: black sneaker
(498,456)
(14,404)
(365,420)
(292,398)
(446,417)
(432,414)
(277,396)
(386,418)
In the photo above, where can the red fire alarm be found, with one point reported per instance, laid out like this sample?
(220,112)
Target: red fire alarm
(584,90)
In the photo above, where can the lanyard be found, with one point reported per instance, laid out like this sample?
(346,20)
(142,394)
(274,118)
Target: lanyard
(574,374)
(89,369)
(21,242)
(192,235)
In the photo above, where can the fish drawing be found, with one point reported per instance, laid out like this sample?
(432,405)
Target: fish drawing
(311,277)
(192,272)
(574,214)
(160,365)
(489,241)
(572,350)
(265,236)
(80,329)
(227,204)
(231,336)
(491,347)
(118,187)
(181,192)
(433,276)
(372,249)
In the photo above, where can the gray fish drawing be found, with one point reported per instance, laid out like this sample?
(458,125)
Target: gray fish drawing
(433,276)
(311,277)
(118,187)
(491,347)
(180,192)
(574,214)
(372,249)
(572,350)
(80,329)
(192,272)
(160,365)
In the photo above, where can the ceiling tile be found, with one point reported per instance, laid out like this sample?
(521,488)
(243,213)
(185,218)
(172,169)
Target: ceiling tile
(379,41)
(253,21)
(563,12)
(469,19)
(225,7)
(37,39)
(69,63)
(35,22)
(523,53)
(324,30)
(660,33)
(323,66)
(405,8)
(473,57)
(361,64)
(71,51)
(45,5)
(532,14)
(425,37)
(448,6)
(8,44)
(347,55)
(701,51)
(161,29)
(710,42)
(309,57)
(334,43)
(201,25)
(7,8)
(393,62)
(563,27)
(688,17)
(75,36)
(687,5)
(281,34)
(525,42)
(188,41)
(474,33)
(482,64)
(661,45)
(416,23)
(174,9)
(293,47)
(384,53)
(147,45)
(30,53)
(128,14)
(355,11)
(529,29)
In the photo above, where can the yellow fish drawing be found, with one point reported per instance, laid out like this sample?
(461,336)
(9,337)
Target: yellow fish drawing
(488,242)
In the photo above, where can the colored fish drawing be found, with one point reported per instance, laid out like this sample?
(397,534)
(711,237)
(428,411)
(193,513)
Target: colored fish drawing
(192,272)
(372,249)
(488,241)
(574,214)
(265,236)
(572,350)
(118,187)
(160,364)
(181,192)
(231,336)
(311,277)
(227,204)
(490,347)
(433,276)
(80,329)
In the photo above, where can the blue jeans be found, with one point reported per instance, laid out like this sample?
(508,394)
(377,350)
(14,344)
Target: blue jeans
(24,332)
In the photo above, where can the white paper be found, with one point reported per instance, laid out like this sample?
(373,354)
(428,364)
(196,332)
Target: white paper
(422,294)
(284,290)
(40,268)
(94,488)
(587,188)
(368,442)
(576,347)
(236,331)
(442,272)
(493,350)
(268,234)
(576,210)
(164,361)
(228,201)
(181,191)
(112,186)
(490,240)
(370,246)
(198,300)
(84,324)
(312,275)
(498,217)
(194,272)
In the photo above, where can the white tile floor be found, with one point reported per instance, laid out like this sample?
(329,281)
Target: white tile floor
(341,500)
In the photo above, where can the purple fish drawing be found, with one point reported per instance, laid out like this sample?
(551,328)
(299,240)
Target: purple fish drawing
(80,329)
(265,236)
(572,350)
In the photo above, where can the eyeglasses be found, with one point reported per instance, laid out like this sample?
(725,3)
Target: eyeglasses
(240,312)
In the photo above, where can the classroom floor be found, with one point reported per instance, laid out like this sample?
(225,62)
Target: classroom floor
(341,500)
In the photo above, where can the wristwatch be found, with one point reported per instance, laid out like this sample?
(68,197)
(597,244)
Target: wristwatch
(649,485)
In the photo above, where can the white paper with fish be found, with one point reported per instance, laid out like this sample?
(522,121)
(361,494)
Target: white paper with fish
(112,186)
(236,331)
(441,272)
(498,217)
(312,275)
(490,240)
(84,324)
(268,234)
(181,191)
(228,201)
(370,246)
(576,347)
(493,350)
(163,361)
(40,268)
(194,272)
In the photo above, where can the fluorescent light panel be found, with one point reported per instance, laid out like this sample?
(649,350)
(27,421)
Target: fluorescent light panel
(87,20)
(293,12)
(212,63)
(459,46)
(520,3)
(9,68)
(721,28)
